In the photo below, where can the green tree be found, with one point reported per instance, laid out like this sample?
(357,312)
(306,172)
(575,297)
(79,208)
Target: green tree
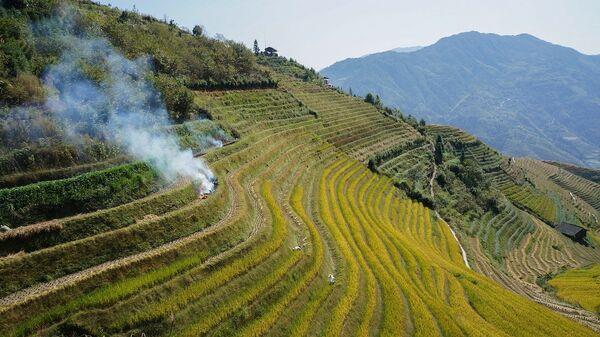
(198,30)
(471,174)
(178,99)
(369,98)
(256,49)
(378,102)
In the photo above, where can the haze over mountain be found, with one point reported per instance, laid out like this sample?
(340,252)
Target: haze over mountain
(523,95)
(406,49)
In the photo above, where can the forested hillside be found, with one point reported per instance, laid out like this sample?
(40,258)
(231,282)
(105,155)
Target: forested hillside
(278,206)
(522,95)
(36,33)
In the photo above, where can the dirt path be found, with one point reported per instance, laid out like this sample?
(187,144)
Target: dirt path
(462,250)
(433,174)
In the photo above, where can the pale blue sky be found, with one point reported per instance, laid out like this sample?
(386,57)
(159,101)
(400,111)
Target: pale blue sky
(320,32)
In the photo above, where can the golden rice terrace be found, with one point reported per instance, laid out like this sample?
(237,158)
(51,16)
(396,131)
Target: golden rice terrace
(299,238)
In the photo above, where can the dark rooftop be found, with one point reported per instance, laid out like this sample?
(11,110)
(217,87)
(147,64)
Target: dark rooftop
(569,229)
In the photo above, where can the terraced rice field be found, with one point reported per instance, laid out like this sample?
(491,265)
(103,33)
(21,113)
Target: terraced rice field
(513,247)
(537,203)
(577,195)
(486,157)
(450,132)
(294,204)
(353,126)
(62,162)
(541,251)
(500,233)
(545,251)
(583,172)
(584,189)
(29,177)
(580,286)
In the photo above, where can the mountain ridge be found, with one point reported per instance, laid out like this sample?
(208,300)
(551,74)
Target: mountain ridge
(471,80)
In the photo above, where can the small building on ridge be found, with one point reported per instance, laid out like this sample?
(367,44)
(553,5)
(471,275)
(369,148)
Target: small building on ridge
(270,51)
(574,232)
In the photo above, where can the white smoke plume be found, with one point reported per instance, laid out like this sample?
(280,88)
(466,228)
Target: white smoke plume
(96,91)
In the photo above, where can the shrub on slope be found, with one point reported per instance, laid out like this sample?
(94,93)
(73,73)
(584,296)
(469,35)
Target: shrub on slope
(84,193)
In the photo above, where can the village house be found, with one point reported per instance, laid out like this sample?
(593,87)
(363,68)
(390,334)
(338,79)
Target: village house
(270,51)
(574,232)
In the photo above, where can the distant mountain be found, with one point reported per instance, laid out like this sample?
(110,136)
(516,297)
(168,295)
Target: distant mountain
(523,95)
(407,49)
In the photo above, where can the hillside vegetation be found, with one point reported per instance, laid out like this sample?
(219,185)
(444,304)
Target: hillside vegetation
(522,95)
(35,33)
(331,216)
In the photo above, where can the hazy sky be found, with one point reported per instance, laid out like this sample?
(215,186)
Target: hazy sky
(320,32)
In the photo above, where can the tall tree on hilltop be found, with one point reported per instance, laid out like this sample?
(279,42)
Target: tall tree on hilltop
(198,30)
(256,49)
(378,101)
